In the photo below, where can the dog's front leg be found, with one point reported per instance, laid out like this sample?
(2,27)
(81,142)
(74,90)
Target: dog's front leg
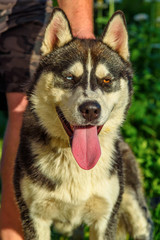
(34,228)
(41,230)
(98,230)
(95,235)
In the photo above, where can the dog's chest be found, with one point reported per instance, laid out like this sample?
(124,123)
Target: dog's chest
(82,195)
(75,201)
(76,184)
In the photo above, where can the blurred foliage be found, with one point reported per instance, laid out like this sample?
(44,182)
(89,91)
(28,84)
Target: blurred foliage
(142,128)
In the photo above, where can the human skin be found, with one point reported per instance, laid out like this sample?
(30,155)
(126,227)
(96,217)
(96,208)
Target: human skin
(80,16)
(10,224)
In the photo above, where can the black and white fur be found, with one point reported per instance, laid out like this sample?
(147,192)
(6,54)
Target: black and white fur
(50,186)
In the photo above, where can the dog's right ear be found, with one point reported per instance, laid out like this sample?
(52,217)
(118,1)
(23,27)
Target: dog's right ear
(58,32)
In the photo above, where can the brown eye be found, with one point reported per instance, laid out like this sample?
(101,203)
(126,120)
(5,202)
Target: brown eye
(106,80)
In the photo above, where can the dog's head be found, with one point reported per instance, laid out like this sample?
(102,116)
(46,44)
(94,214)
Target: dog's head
(83,86)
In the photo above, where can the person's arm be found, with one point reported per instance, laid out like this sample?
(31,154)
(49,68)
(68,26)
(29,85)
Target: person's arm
(80,15)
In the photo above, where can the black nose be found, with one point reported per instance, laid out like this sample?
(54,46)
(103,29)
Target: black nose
(90,110)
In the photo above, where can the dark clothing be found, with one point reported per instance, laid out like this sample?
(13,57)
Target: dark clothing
(19,56)
(16,12)
(22,25)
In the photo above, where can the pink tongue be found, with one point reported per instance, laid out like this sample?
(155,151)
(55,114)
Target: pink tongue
(85,147)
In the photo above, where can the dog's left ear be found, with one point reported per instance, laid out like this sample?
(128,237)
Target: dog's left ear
(115,34)
(58,32)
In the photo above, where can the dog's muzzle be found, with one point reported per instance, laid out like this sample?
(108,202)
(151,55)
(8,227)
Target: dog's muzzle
(90,110)
(84,139)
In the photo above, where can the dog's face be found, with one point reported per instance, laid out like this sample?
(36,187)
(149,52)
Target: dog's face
(86,84)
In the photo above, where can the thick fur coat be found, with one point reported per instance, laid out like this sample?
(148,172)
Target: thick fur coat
(72,166)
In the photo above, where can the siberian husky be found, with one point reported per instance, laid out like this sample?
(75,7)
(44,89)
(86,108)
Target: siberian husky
(72,165)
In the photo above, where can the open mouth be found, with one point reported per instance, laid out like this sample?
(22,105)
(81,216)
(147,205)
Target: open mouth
(70,128)
(84,141)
